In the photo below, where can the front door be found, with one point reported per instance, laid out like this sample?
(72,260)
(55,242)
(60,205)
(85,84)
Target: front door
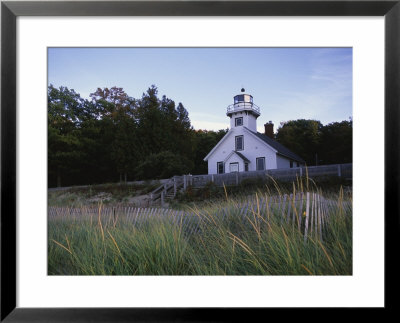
(233,167)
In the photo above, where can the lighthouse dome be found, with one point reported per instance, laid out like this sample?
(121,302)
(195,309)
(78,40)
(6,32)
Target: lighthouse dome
(243,102)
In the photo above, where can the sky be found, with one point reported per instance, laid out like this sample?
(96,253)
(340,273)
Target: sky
(286,83)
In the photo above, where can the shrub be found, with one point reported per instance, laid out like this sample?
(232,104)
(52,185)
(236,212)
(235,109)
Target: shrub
(163,165)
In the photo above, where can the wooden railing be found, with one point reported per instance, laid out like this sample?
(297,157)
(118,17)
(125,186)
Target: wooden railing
(228,179)
(172,186)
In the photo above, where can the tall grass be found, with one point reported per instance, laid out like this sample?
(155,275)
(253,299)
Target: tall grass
(91,194)
(261,243)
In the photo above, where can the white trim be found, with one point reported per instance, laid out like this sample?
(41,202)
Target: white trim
(229,156)
(236,119)
(218,144)
(235,152)
(226,136)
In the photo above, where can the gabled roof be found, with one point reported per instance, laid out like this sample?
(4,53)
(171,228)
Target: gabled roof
(218,144)
(281,150)
(239,154)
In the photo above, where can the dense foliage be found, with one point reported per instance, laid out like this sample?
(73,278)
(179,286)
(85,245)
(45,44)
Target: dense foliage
(115,137)
(318,144)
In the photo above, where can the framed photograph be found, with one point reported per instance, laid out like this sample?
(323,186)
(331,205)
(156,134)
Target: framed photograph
(203,48)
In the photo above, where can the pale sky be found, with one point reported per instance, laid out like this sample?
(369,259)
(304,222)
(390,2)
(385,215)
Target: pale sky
(286,83)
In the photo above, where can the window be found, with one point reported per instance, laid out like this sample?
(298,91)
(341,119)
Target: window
(239,144)
(220,167)
(239,98)
(238,121)
(298,165)
(260,163)
(246,167)
(291,164)
(233,167)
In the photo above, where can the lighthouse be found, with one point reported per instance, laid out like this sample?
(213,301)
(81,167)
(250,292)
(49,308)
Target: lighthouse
(243,111)
(243,149)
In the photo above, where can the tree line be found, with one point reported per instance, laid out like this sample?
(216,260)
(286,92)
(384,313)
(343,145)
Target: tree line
(113,136)
(318,144)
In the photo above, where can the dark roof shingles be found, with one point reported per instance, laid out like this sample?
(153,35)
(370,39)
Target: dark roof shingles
(282,150)
(242,156)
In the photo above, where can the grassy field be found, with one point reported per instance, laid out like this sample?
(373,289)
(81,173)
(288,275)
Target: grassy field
(261,244)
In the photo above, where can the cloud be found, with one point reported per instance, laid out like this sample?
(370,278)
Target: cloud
(332,72)
(324,94)
(207,121)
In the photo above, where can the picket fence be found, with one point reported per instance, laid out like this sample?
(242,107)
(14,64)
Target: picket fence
(309,212)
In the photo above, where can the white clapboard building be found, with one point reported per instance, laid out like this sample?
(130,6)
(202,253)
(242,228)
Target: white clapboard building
(243,148)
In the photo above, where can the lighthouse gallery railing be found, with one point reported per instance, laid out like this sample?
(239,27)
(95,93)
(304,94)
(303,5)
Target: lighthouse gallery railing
(243,106)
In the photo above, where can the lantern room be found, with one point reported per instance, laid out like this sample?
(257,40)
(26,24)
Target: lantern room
(243,112)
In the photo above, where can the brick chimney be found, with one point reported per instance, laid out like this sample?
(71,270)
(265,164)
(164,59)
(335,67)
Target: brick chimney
(269,129)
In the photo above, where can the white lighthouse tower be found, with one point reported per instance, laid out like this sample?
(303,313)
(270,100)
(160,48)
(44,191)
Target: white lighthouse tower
(244,149)
(243,112)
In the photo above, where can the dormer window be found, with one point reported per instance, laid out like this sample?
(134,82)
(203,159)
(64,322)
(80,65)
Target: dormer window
(238,121)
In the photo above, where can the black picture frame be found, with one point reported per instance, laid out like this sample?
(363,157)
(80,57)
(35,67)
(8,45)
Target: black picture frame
(10,10)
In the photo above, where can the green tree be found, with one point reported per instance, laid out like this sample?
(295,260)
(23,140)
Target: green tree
(337,143)
(117,111)
(303,137)
(112,101)
(204,142)
(123,149)
(96,137)
(66,109)
(113,134)
(182,132)
(183,117)
(150,123)
(163,165)
(163,127)
(66,112)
